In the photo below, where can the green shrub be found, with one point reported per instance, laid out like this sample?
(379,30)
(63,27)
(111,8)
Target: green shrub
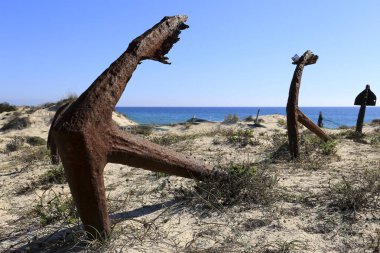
(58,208)
(242,138)
(159,175)
(231,119)
(35,154)
(281,122)
(56,175)
(375,140)
(6,107)
(329,147)
(375,122)
(216,141)
(68,99)
(241,169)
(237,184)
(169,139)
(343,127)
(143,129)
(17,124)
(250,118)
(35,141)
(356,192)
(15,144)
(280,246)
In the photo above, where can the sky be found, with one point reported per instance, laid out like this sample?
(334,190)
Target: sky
(235,53)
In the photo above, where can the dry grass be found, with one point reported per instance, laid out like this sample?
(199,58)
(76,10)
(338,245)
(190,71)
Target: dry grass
(236,184)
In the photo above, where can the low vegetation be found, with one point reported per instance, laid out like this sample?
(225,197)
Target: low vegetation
(53,207)
(250,118)
(68,99)
(236,184)
(144,130)
(281,123)
(16,123)
(14,145)
(355,192)
(55,175)
(6,107)
(375,122)
(169,139)
(242,138)
(257,194)
(35,140)
(231,119)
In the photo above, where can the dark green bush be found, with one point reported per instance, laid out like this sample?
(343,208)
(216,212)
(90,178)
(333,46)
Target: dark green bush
(6,107)
(237,184)
(58,208)
(242,138)
(375,122)
(169,139)
(250,118)
(231,119)
(15,144)
(35,141)
(356,192)
(328,148)
(56,175)
(17,124)
(142,129)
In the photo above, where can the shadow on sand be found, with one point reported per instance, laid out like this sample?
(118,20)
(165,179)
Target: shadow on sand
(66,239)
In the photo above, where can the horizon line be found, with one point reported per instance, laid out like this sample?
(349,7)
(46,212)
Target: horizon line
(220,106)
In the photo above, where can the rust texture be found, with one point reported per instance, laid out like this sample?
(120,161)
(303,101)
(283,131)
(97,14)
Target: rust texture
(293,113)
(366,97)
(84,136)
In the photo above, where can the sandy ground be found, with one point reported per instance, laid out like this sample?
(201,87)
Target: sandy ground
(149,214)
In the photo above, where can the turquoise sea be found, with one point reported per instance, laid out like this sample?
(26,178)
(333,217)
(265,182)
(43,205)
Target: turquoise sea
(333,116)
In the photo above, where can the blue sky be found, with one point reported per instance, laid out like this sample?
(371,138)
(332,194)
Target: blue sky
(235,53)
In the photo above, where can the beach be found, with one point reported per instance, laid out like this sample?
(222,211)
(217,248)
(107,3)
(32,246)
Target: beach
(334,117)
(323,202)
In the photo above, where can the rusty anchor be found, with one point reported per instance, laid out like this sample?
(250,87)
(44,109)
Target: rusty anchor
(85,138)
(366,97)
(293,113)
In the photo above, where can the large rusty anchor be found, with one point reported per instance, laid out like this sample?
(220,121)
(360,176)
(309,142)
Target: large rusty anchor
(86,139)
(293,113)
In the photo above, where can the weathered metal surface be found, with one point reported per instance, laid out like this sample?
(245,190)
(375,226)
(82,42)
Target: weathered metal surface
(86,139)
(366,97)
(293,114)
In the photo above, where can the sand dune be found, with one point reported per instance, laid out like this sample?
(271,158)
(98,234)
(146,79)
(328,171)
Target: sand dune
(307,207)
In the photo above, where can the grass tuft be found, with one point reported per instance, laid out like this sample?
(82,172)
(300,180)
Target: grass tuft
(15,144)
(59,207)
(56,175)
(231,119)
(237,184)
(356,192)
(35,141)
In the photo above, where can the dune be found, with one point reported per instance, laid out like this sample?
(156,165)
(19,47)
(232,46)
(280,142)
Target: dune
(297,205)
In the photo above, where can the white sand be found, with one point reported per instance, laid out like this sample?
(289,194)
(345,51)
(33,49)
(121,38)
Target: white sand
(135,194)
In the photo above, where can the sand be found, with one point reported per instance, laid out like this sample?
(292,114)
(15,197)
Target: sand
(149,214)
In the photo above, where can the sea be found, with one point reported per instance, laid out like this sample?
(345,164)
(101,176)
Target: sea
(334,117)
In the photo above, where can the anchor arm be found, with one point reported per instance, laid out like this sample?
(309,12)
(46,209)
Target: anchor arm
(131,150)
(104,93)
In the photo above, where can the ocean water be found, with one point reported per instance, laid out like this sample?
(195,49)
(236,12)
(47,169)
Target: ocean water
(333,116)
